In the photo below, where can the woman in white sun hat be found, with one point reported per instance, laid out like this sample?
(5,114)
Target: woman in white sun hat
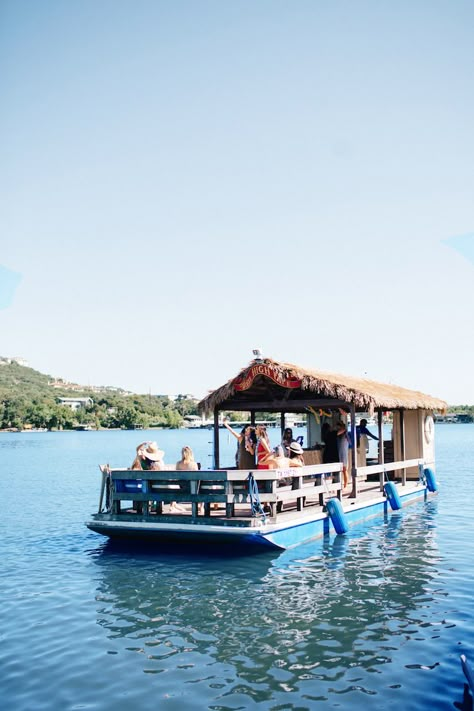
(149,457)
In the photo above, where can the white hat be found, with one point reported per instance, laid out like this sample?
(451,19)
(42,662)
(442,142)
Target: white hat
(296,448)
(152,452)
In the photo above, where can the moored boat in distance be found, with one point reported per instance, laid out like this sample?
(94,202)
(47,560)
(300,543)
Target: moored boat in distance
(283,507)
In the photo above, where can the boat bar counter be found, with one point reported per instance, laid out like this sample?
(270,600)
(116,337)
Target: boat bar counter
(283,507)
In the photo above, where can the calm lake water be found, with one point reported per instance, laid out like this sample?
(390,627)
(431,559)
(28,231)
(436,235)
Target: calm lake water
(375,619)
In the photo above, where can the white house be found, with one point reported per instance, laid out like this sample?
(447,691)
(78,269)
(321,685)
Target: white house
(76,403)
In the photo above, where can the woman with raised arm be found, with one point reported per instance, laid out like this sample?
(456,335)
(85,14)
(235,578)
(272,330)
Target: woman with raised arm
(245,455)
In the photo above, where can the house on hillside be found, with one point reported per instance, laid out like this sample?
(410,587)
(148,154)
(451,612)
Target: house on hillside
(76,403)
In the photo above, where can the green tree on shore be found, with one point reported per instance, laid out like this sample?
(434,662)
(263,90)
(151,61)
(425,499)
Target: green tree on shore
(28,399)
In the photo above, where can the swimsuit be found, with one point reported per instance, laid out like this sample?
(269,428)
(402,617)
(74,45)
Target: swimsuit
(261,454)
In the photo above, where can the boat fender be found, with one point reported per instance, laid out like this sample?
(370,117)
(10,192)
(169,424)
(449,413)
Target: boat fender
(337,515)
(430,480)
(392,495)
(468,673)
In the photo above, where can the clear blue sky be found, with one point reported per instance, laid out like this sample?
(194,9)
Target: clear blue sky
(184,181)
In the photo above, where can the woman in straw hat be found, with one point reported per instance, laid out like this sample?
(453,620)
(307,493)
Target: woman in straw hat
(148,457)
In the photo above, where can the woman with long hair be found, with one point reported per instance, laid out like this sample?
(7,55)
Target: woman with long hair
(343,450)
(264,451)
(186,463)
(286,440)
(246,442)
(187,460)
(148,457)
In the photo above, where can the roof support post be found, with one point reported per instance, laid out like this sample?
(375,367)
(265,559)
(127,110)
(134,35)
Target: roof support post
(381,445)
(353,439)
(402,444)
(216,439)
(282,423)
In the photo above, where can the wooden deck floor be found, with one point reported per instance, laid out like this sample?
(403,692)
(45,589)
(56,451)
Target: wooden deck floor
(368,491)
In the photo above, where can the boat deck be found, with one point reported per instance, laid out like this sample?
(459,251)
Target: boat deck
(230,505)
(280,508)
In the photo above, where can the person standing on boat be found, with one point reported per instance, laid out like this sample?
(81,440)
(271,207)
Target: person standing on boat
(361,429)
(343,449)
(286,440)
(247,440)
(264,450)
(329,438)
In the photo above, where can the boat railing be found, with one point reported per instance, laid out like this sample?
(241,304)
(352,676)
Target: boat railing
(204,489)
(384,469)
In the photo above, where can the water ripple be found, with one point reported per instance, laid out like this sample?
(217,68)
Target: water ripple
(375,618)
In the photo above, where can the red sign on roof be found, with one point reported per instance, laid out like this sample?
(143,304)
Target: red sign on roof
(245,381)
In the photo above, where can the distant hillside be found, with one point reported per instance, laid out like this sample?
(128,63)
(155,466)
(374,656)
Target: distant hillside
(28,399)
(18,379)
(14,374)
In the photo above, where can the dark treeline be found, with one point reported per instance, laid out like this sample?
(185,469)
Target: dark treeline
(28,400)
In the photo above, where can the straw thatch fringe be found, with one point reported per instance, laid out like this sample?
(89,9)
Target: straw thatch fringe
(364,394)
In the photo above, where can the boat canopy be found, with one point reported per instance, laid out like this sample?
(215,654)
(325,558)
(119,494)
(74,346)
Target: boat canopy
(268,385)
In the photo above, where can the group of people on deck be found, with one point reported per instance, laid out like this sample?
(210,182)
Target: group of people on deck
(337,443)
(254,450)
(150,458)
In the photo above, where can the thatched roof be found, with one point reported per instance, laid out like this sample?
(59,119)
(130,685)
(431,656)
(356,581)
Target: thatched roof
(290,382)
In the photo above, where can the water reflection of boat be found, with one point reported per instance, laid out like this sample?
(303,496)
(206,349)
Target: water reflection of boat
(357,594)
(282,507)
